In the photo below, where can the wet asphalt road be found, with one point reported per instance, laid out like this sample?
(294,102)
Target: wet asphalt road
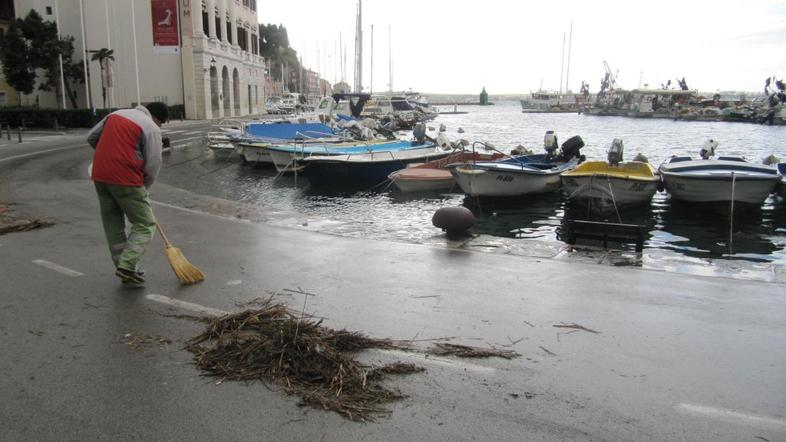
(668,356)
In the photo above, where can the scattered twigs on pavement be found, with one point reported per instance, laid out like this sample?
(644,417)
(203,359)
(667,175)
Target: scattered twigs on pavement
(442,348)
(577,327)
(274,345)
(25,226)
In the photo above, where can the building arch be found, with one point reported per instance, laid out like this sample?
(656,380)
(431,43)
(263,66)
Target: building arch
(236,90)
(225,91)
(214,102)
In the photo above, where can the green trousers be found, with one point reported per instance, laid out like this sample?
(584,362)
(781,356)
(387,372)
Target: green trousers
(118,203)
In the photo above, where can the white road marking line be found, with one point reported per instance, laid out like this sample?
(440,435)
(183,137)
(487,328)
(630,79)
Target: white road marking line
(731,416)
(15,157)
(58,268)
(426,359)
(194,132)
(167,132)
(209,311)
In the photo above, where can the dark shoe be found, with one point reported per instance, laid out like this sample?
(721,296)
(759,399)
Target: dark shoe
(129,277)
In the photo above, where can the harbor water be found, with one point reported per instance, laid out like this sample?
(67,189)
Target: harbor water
(681,237)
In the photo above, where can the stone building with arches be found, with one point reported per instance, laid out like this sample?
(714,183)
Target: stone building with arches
(203,55)
(221,45)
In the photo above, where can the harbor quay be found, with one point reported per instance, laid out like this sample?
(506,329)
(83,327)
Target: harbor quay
(603,352)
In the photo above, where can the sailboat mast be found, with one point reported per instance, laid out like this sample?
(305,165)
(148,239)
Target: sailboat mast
(371,84)
(562,64)
(340,57)
(359,50)
(567,71)
(390,62)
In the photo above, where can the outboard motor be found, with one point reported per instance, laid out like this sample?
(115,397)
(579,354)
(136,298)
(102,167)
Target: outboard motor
(419,132)
(550,143)
(443,141)
(708,151)
(572,148)
(615,152)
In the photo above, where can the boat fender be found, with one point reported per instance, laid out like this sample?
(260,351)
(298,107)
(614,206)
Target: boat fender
(454,221)
(661,185)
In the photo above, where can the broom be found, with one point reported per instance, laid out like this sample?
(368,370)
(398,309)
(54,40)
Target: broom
(184,270)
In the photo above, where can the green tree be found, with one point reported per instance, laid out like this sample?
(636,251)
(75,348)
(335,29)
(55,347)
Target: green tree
(32,43)
(274,46)
(100,55)
(18,69)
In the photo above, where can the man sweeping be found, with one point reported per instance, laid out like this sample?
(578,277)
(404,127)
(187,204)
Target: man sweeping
(126,162)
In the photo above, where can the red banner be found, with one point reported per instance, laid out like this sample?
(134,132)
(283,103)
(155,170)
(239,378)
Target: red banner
(165,30)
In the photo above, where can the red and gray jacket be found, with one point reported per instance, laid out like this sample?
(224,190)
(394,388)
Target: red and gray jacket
(127,147)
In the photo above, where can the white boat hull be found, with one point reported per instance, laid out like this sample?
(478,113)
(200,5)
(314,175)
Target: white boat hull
(255,154)
(432,185)
(611,190)
(718,189)
(716,180)
(491,183)
(284,161)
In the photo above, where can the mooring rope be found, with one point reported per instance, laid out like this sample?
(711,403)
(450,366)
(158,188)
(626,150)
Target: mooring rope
(731,217)
(613,200)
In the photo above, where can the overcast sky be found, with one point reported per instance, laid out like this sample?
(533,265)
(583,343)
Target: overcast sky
(516,46)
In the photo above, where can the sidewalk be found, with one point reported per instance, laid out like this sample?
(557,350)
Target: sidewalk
(675,357)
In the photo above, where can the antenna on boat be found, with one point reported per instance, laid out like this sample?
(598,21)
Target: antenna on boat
(567,71)
(390,62)
(371,84)
(562,65)
(359,49)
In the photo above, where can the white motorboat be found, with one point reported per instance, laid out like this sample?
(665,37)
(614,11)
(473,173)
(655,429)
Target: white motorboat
(288,157)
(723,179)
(221,139)
(519,175)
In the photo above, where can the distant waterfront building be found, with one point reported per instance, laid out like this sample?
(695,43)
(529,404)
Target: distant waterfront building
(342,87)
(202,55)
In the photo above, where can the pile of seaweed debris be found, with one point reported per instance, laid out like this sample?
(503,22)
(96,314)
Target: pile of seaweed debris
(10,223)
(274,345)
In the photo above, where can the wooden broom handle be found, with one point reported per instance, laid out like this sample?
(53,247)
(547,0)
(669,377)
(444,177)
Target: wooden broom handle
(161,232)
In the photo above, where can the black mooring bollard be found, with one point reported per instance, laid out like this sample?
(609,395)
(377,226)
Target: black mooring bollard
(57,126)
(19,132)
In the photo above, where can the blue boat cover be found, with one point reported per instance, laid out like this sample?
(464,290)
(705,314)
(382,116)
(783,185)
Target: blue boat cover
(289,131)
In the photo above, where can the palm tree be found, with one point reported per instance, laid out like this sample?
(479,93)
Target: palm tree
(100,55)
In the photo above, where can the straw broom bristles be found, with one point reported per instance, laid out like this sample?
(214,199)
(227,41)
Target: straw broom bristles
(186,272)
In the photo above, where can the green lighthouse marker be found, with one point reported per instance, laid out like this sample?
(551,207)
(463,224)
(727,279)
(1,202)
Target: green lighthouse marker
(484,97)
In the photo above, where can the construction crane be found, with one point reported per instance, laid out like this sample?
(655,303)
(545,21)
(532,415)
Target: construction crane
(608,84)
(612,79)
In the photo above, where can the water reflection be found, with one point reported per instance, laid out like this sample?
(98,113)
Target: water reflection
(709,230)
(531,216)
